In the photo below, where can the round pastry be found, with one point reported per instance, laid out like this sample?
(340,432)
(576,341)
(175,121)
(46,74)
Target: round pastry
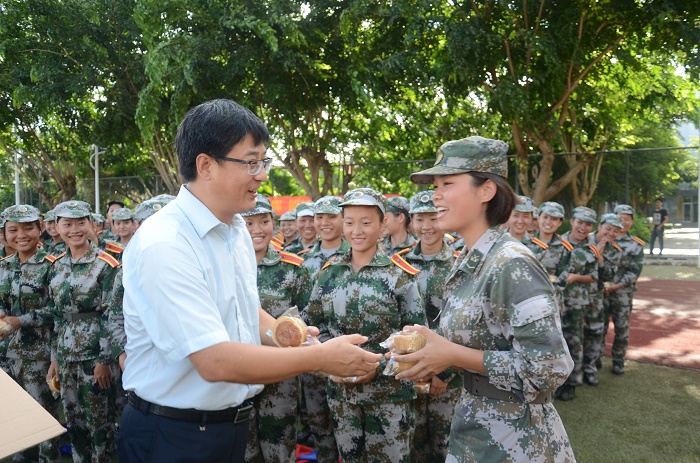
(408,343)
(403,366)
(5,327)
(289,331)
(553,278)
(54,385)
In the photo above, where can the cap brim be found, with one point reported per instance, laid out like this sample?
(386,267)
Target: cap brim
(328,210)
(426,177)
(306,213)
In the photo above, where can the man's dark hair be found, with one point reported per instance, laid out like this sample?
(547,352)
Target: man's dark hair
(112,203)
(502,204)
(213,128)
(660,199)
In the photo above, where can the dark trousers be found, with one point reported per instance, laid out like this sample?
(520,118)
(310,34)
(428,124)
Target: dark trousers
(143,437)
(654,235)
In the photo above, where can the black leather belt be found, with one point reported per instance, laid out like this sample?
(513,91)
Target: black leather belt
(236,415)
(479,385)
(75,316)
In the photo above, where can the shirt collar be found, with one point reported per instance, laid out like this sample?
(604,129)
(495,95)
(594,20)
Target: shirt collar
(202,219)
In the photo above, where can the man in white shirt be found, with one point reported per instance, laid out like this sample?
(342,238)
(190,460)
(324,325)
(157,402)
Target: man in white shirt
(197,344)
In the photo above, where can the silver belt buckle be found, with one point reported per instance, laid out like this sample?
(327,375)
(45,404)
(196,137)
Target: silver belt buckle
(243,414)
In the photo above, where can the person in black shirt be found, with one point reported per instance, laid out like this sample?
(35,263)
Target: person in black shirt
(659,219)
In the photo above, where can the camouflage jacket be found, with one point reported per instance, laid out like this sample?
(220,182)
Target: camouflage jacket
(84,286)
(279,281)
(390,250)
(631,262)
(115,317)
(583,261)
(612,253)
(114,249)
(297,247)
(313,261)
(554,255)
(54,248)
(498,299)
(24,294)
(374,301)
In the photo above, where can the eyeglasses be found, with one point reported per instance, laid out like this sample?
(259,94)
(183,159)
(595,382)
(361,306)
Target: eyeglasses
(254,167)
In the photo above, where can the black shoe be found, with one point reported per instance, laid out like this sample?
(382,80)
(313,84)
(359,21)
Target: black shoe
(566,393)
(599,364)
(618,370)
(590,379)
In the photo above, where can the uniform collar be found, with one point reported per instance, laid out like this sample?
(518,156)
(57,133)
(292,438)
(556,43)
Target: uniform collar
(272,256)
(379,260)
(471,261)
(444,254)
(316,248)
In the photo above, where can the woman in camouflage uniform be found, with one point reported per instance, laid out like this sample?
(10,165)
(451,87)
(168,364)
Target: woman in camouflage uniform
(272,431)
(433,257)
(55,244)
(365,291)
(499,318)
(23,298)
(80,290)
(521,218)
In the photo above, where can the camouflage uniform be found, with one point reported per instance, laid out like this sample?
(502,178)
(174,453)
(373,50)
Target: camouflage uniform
(390,250)
(434,413)
(24,294)
(618,304)
(80,293)
(498,299)
(117,340)
(583,261)
(272,430)
(151,206)
(315,411)
(373,421)
(554,257)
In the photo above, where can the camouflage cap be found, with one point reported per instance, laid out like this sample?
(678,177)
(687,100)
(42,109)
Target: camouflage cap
(73,210)
(123,213)
(289,215)
(398,205)
(305,209)
(584,213)
(524,205)
(328,205)
(624,209)
(365,197)
(98,218)
(151,206)
(552,208)
(422,203)
(21,213)
(262,206)
(612,219)
(472,154)
(49,216)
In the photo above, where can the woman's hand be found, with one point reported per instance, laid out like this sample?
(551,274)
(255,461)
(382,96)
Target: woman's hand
(434,358)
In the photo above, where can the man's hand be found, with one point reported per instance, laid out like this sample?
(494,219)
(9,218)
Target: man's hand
(53,371)
(103,375)
(437,386)
(342,357)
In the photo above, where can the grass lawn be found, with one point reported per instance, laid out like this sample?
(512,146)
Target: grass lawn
(650,414)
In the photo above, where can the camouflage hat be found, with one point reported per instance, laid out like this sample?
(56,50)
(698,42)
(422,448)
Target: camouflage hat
(21,213)
(365,197)
(524,205)
(123,213)
(624,209)
(73,210)
(472,154)
(612,219)
(305,209)
(422,202)
(151,206)
(328,205)
(97,218)
(397,205)
(49,216)
(262,206)
(289,215)
(552,208)
(584,213)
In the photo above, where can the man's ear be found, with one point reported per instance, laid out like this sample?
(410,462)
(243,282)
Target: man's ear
(204,164)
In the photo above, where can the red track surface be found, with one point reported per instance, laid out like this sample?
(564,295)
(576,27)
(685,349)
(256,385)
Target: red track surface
(665,325)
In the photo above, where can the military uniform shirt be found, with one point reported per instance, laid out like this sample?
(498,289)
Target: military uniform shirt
(631,262)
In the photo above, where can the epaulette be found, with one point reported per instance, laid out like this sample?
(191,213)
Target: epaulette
(569,247)
(303,251)
(401,263)
(616,246)
(290,258)
(594,248)
(450,239)
(6,257)
(540,243)
(279,236)
(114,247)
(403,251)
(276,245)
(456,254)
(638,240)
(109,259)
(51,258)
(328,264)
(61,255)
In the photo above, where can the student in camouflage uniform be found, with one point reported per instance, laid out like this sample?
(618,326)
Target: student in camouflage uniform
(308,236)
(314,408)
(5,249)
(433,257)
(499,320)
(398,236)
(23,299)
(550,249)
(55,244)
(618,297)
(366,292)
(521,218)
(288,227)
(593,328)
(583,274)
(107,232)
(149,207)
(123,226)
(80,290)
(272,431)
